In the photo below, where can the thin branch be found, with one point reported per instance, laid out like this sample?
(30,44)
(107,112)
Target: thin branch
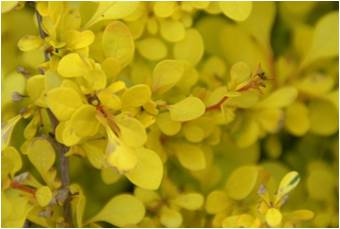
(60,148)
(63,168)
(42,33)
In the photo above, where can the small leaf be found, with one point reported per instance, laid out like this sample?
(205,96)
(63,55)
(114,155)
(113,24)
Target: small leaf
(287,184)
(170,217)
(279,98)
(29,43)
(166,74)
(148,172)
(132,131)
(41,154)
(190,156)
(72,65)
(7,129)
(273,217)
(63,102)
(83,121)
(217,201)
(242,182)
(11,161)
(327,29)
(187,109)
(78,204)
(189,201)
(118,43)
(136,96)
(112,11)
(43,195)
(238,11)
(122,210)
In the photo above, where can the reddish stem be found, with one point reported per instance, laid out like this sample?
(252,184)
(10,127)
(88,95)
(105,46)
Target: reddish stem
(217,105)
(22,187)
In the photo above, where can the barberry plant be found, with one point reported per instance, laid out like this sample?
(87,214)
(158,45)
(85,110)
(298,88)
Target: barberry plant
(169,114)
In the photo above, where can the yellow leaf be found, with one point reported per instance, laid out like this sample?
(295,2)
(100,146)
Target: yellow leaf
(189,201)
(166,74)
(41,154)
(122,210)
(319,124)
(287,184)
(296,119)
(136,95)
(36,86)
(217,201)
(190,156)
(78,204)
(239,73)
(11,161)
(109,175)
(167,125)
(164,9)
(83,121)
(29,43)
(63,102)
(109,100)
(191,48)
(132,131)
(187,109)
(152,48)
(43,195)
(148,172)
(327,28)
(112,11)
(170,218)
(7,6)
(122,157)
(118,42)
(242,182)
(238,11)
(279,98)
(7,130)
(259,24)
(19,211)
(95,152)
(72,65)
(78,40)
(273,217)
(172,31)
(299,215)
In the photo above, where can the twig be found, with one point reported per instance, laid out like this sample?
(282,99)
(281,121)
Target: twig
(43,35)
(63,167)
(60,148)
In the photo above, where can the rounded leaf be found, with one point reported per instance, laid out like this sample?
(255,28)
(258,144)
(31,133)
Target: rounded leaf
(122,211)
(188,109)
(118,43)
(148,172)
(238,11)
(242,182)
(43,195)
(166,74)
